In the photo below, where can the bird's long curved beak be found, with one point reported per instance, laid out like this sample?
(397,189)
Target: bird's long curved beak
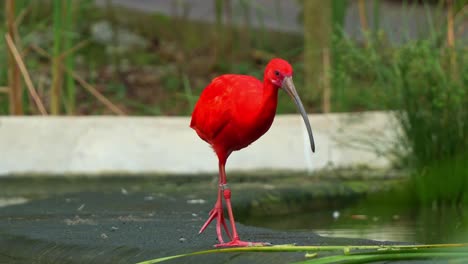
(289,87)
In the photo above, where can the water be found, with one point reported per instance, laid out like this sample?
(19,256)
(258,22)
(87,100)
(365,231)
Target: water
(383,223)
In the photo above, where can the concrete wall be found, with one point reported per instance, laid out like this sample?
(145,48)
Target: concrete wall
(102,144)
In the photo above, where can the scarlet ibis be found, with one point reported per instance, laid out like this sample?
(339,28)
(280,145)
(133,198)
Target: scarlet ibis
(232,112)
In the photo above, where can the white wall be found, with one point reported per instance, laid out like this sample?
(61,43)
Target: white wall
(102,144)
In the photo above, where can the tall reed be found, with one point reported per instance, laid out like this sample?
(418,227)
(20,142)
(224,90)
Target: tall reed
(68,13)
(14,77)
(63,30)
(57,68)
(317,33)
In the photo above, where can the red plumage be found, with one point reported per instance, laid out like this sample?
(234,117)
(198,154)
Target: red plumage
(233,111)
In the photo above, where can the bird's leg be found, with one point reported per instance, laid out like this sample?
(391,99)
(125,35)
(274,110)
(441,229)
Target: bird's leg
(217,212)
(235,241)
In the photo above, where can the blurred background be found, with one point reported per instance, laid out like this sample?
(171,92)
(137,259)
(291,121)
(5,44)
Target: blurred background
(155,57)
(151,58)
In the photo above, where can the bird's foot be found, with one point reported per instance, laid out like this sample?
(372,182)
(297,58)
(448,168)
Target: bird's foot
(217,213)
(240,243)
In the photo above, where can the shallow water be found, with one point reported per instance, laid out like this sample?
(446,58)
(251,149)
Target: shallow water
(415,225)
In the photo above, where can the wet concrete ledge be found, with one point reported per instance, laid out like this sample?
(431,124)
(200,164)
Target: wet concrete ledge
(100,145)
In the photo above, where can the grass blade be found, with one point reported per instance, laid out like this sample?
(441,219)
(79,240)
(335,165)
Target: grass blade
(25,73)
(68,16)
(355,259)
(377,249)
(14,78)
(57,73)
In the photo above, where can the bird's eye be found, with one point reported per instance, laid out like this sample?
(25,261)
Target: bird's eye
(277,73)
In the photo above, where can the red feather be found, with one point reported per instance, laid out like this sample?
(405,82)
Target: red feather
(233,111)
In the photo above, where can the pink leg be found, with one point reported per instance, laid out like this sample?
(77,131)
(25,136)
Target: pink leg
(217,212)
(235,241)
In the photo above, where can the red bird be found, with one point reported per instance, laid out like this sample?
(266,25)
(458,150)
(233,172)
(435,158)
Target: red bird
(232,112)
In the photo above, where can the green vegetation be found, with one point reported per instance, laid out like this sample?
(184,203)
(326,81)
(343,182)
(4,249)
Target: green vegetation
(425,82)
(350,254)
(434,118)
(416,80)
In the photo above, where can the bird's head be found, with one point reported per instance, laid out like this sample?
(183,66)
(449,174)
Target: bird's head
(279,72)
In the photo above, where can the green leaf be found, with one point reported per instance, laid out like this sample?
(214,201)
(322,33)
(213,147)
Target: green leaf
(372,253)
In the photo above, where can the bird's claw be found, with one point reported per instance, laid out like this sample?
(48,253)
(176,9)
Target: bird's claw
(240,243)
(217,213)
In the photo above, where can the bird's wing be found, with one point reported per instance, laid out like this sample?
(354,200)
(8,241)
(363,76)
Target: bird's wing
(213,109)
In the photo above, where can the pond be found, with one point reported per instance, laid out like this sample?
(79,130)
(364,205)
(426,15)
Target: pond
(386,223)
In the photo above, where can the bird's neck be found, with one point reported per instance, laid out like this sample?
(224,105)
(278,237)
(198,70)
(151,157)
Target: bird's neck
(270,92)
(269,98)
